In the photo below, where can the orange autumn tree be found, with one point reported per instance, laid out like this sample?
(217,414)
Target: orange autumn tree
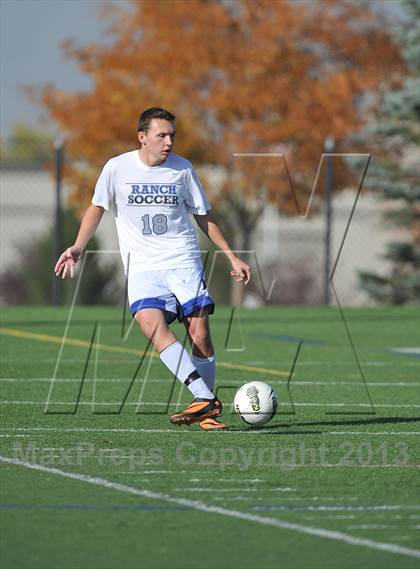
(244,76)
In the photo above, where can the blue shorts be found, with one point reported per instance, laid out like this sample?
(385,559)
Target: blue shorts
(178,292)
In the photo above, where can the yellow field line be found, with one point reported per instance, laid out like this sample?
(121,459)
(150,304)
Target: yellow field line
(116,349)
(256,369)
(70,341)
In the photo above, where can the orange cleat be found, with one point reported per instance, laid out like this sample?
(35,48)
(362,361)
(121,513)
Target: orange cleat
(198,410)
(211,425)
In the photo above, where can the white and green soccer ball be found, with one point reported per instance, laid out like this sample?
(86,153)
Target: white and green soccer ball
(255,402)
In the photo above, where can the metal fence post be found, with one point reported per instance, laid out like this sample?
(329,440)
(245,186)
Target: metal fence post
(56,249)
(329,145)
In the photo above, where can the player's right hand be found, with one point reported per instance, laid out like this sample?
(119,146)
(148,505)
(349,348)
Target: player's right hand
(67,262)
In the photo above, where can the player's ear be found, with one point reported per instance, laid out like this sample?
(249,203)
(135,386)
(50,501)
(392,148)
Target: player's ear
(142,137)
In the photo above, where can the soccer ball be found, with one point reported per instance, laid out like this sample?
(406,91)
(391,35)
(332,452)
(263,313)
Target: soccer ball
(255,402)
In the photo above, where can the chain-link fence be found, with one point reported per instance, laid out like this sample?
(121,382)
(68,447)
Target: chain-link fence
(29,179)
(290,250)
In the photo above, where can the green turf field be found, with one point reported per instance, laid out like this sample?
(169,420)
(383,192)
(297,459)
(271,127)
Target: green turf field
(94,475)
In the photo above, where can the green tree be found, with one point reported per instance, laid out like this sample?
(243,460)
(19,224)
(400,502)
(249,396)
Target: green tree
(26,146)
(30,280)
(396,130)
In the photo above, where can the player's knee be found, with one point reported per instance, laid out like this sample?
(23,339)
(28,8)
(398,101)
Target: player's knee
(202,341)
(148,323)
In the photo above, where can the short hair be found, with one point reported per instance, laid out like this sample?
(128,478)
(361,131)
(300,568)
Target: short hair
(148,115)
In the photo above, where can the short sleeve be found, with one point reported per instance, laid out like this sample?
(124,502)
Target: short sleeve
(197,202)
(104,189)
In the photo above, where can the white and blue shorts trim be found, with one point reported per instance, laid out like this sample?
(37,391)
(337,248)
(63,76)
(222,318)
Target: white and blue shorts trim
(178,292)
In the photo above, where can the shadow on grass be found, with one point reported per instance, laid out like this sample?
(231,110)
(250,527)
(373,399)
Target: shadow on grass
(335,423)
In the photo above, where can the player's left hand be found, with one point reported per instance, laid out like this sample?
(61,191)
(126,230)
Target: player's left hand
(241,272)
(67,261)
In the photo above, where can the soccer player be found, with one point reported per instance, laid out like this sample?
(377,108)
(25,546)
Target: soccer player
(152,192)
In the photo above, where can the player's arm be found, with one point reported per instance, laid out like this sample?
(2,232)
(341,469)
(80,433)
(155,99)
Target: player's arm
(88,225)
(208,224)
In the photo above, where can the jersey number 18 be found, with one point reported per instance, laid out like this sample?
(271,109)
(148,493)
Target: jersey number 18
(159,224)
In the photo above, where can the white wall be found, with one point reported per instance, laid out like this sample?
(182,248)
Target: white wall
(27,202)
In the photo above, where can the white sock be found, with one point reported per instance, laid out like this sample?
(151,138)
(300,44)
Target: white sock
(206,367)
(177,360)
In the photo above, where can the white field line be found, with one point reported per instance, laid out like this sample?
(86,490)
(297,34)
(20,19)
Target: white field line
(93,404)
(408,362)
(293,498)
(373,526)
(253,480)
(358,466)
(336,517)
(384,507)
(202,507)
(295,383)
(32,430)
(264,498)
(233,489)
(327,364)
(373,433)
(15,436)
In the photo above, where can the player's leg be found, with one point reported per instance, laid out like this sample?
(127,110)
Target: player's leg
(203,357)
(195,305)
(153,324)
(198,330)
(154,307)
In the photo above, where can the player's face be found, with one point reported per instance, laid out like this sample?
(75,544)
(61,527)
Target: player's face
(158,140)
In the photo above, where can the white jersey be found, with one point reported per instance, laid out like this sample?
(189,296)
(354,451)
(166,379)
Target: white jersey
(151,207)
